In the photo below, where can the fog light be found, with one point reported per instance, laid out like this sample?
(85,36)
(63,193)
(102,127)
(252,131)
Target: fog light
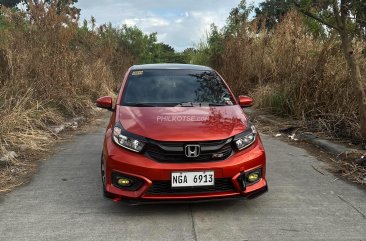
(253,177)
(124,182)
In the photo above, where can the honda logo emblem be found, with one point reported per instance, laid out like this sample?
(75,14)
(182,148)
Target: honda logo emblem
(192,150)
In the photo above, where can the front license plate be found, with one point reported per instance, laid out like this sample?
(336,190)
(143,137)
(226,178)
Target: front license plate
(193,179)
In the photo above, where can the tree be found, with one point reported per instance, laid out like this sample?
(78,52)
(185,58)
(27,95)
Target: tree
(344,17)
(359,11)
(272,11)
(215,43)
(61,4)
(10,3)
(188,54)
(165,53)
(237,17)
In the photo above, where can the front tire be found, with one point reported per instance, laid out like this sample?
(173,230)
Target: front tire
(103,174)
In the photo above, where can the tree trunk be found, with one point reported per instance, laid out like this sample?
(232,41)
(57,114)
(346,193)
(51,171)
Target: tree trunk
(341,14)
(356,77)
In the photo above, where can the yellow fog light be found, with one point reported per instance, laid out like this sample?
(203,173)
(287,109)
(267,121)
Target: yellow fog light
(253,177)
(124,182)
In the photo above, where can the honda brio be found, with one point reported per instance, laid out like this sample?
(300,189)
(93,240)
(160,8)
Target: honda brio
(177,133)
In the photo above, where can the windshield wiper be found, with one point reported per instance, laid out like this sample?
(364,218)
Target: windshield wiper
(185,104)
(216,104)
(200,104)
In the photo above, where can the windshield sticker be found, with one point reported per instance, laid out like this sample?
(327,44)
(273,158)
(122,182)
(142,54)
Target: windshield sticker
(138,72)
(228,101)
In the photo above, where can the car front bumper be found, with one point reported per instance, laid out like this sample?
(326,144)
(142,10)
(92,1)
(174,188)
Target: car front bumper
(124,162)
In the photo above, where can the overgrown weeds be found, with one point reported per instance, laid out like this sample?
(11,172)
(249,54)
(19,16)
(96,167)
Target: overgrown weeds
(51,70)
(291,72)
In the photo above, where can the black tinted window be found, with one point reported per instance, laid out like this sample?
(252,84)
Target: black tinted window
(175,87)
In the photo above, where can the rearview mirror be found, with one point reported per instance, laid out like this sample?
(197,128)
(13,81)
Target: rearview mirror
(105,102)
(245,101)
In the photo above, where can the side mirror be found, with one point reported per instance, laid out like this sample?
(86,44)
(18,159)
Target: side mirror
(105,102)
(245,101)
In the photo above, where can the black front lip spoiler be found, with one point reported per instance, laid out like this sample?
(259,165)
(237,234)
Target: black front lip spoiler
(252,195)
(257,193)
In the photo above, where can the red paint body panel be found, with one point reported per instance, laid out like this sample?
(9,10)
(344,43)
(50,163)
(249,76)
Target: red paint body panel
(210,123)
(161,123)
(135,164)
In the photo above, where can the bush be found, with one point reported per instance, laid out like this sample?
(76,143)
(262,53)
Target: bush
(291,72)
(50,69)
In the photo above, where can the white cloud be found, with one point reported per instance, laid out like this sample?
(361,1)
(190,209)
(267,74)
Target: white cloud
(179,20)
(179,23)
(162,36)
(145,23)
(130,22)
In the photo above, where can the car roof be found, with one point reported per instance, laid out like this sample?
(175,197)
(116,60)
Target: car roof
(170,66)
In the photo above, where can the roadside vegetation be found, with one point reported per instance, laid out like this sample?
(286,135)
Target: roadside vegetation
(300,59)
(52,68)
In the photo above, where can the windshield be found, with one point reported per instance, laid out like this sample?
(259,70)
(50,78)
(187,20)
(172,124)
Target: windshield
(175,88)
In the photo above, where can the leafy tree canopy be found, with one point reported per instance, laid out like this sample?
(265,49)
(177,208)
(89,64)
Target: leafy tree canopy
(272,12)
(237,17)
(10,3)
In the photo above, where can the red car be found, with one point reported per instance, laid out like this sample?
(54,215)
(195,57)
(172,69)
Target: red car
(178,134)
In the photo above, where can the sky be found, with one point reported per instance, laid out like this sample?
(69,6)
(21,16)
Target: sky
(179,23)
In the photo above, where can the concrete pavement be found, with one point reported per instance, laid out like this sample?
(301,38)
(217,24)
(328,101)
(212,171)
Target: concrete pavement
(64,202)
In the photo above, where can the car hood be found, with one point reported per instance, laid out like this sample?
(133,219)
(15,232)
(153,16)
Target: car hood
(183,123)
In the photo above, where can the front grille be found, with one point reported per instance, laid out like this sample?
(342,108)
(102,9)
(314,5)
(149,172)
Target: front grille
(164,187)
(173,152)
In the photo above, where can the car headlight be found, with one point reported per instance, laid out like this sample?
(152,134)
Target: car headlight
(246,138)
(126,140)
